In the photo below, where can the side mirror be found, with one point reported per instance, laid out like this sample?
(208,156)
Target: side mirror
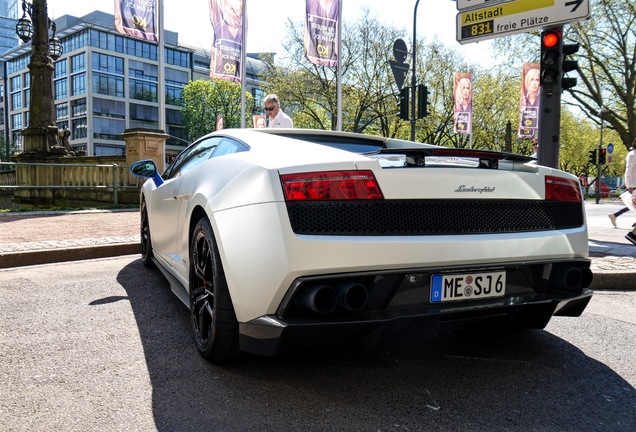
(146,169)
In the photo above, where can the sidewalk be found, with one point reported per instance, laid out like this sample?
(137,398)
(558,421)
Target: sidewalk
(33,238)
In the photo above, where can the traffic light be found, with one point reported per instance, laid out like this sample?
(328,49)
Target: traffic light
(592,157)
(602,156)
(404,103)
(422,101)
(569,65)
(551,45)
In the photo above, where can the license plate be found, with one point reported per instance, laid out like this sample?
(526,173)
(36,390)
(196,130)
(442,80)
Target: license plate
(467,286)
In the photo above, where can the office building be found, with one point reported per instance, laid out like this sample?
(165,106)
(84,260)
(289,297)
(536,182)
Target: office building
(105,83)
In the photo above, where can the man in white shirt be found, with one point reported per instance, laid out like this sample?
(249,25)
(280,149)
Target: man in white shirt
(277,118)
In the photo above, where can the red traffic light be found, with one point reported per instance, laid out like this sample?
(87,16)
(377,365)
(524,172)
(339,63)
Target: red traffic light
(551,39)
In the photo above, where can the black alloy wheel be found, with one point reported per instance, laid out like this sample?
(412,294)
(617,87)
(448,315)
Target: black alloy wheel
(211,310)
(146,244)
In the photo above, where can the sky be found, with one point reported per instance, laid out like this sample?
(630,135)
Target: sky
(267,18)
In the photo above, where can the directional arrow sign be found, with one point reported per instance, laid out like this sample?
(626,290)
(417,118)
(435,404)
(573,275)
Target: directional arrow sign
(518,16)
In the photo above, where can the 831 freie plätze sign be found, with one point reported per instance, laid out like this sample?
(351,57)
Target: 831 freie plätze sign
(493,19)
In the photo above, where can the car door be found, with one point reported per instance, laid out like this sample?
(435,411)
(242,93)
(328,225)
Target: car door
(223,146)
(168,199)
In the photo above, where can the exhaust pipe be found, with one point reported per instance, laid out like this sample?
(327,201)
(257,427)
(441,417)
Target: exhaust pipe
(352,296)
(569,278)
(321,299)
(586,277)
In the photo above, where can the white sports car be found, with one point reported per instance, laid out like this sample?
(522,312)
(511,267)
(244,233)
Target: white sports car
(274,238)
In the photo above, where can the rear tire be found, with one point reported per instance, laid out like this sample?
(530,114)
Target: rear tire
(212,314)
(146,243)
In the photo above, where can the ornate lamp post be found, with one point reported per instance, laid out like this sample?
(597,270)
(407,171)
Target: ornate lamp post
(41,133)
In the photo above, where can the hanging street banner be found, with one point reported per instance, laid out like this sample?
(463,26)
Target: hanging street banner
(138,18)
(226,17)
(517,16)
(321,32)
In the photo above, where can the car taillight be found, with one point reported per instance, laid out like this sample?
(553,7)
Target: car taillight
(331,185)
(561,189)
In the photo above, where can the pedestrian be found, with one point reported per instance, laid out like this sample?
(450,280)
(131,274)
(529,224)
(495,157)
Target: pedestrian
(535,147)
(630,184)
(277,118)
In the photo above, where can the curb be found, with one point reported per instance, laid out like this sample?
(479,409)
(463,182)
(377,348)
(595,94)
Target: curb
(47,256)
(613,280)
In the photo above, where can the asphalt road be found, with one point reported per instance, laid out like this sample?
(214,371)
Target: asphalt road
(104,345)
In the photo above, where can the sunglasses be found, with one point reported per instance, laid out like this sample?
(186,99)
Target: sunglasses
(270,108)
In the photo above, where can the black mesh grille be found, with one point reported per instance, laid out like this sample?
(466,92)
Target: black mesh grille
(431,217)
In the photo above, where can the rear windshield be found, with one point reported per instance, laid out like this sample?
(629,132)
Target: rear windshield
(350,144)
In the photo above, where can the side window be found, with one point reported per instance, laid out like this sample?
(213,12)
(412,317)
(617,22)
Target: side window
(229,146)
(195,155)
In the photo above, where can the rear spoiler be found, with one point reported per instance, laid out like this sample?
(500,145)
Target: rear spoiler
(486,159)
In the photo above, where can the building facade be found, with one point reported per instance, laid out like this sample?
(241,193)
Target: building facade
(105,83)
(9,10)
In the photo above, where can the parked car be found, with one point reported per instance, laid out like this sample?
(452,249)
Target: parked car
(605,191)
(275,238)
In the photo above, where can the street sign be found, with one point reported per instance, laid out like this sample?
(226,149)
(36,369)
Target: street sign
(399,68)
(610,148)
(472,4)
(518,16)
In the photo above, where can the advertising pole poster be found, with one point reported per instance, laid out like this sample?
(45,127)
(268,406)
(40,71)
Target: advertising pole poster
(226,17)
(529,105)
(463,95)
(321,32)
(137,18)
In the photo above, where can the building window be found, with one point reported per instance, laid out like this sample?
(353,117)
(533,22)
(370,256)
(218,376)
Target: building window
(27,98)
(16,101)
(107,63)
(142,90)
(79,84)
(108,128)
(61,68)
(107,41)
(109,108)
(61,111)
(144,116)
(78,107)
(78,63)
(16,121)
(177,58)
(62,125)
(108,84)
(75,41)
(15,83)
(79,128)
(141,49)
(61,88)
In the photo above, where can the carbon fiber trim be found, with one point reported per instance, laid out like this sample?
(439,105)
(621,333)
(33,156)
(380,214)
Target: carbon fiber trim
(431,217)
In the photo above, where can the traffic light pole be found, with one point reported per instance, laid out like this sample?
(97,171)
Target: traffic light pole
(413,77)
(600,162)
(550,120)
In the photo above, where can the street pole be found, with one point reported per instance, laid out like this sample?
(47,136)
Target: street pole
(599,165)
(413,115)
(41,133)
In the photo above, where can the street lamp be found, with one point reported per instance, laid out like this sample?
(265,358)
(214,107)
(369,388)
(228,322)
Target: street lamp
(24,29)
(41,134)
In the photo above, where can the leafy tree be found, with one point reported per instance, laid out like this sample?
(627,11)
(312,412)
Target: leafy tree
(204,100)
(607,64)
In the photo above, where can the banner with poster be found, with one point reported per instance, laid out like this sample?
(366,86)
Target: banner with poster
(463,96)
(259,121)
(321,32)
(138,18)
(529,105)
(226,17)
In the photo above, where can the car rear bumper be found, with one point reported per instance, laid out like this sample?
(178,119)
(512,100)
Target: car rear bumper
(268,335)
